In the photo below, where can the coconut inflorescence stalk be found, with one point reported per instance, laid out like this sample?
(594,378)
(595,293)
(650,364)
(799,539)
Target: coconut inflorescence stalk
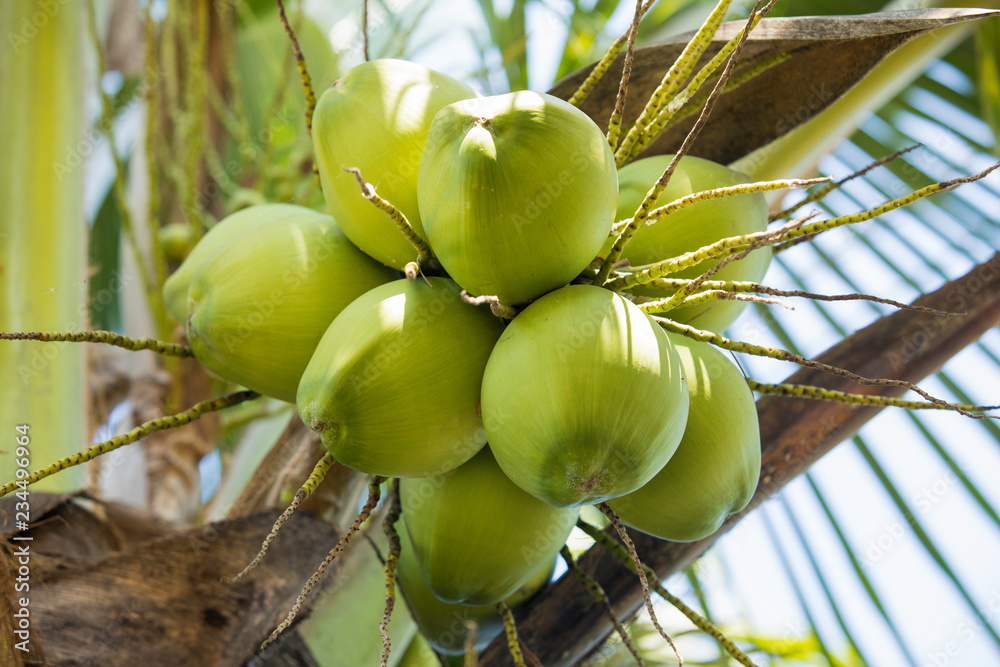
(693,227)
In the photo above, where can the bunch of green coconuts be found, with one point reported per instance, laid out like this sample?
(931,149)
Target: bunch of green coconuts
(499,430)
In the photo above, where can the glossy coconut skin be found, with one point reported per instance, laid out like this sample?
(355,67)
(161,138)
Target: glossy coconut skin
(715,469)
(376,118)
(226,231)
(443,623)
(393,388)
(258,308)
(517,193)
(476,536)
(583,397)
(693,227)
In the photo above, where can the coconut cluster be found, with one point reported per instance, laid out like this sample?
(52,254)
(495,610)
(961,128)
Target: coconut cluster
(500,429)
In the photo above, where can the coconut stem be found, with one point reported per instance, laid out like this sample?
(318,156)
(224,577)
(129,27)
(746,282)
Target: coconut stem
(601,68)
(152,426)
(795,230)
(602,599)
(731,286)
(819,393)
(497,308)
(678,73)
(615,122)
(317,475)
(300,62)
(108,337)
(681,296)
(644,584)
(784,355)
(374,493)
(307,89)
(639,219)
(665,114)
(513,642)
(700,622)
(681,108)
(660,212)
(827,189)
(391,561)
(424,255)
(364,27)
(723,295)
(471,635)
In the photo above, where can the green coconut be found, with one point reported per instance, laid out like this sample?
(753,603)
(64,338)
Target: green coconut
(691,228)
(477,538)
(583,397)
(176,241)
(227,230)
(517,193)
(715,469)
(376,118)
(393,388)
(443,623)
(258,307)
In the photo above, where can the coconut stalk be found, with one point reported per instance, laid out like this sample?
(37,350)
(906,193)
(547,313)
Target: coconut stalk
(42,233)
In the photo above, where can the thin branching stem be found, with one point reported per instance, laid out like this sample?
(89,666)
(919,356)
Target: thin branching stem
(374,493)
(306,490)
(709,296)
(821,394)
(700,622)
(391,561)
(471,655)
(510,629)
(300,62)
(661,212)
(106,337)
(650,132)
(738,286)
(602,599)
(364,27)
(643,582)
(601,68)
(827,189)
(784,355)
(796,229)
(639,219)
(675,77)
(685,293)
(682,108)
(139,432)
(424,255)
(615,122)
